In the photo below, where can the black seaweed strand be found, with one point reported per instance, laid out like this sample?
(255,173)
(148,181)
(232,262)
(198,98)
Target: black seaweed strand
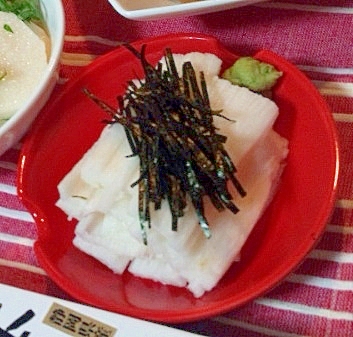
(169,125)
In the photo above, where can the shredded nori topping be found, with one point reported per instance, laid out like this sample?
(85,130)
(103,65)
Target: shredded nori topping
(169,124)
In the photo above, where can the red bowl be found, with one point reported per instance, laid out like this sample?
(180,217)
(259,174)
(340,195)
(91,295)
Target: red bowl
(282,238)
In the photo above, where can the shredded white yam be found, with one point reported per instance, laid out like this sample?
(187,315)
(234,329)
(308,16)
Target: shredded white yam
(184,258)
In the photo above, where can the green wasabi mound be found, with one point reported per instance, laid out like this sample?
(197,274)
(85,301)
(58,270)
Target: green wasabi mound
(255,75)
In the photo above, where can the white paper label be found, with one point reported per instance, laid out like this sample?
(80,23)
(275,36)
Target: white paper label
(27,314)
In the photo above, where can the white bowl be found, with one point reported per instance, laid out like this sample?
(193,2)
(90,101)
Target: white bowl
(13,130)
(157,9)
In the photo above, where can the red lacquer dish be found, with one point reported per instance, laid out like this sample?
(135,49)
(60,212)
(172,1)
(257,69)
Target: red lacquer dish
(285,234)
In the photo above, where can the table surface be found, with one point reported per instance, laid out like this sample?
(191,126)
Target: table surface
(317,36)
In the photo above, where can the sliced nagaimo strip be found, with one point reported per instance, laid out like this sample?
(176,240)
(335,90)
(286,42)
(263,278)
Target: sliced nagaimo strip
(209,63)
(74,189)
(23,60)
(115,178)
(99,178)
(94,172)
(158,269)
(74,193)
(96,241)
(253,115)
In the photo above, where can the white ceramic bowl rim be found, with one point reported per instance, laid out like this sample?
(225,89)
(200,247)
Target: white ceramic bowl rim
(190,8)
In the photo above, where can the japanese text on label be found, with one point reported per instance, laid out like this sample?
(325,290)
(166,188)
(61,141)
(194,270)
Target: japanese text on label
(76,324)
